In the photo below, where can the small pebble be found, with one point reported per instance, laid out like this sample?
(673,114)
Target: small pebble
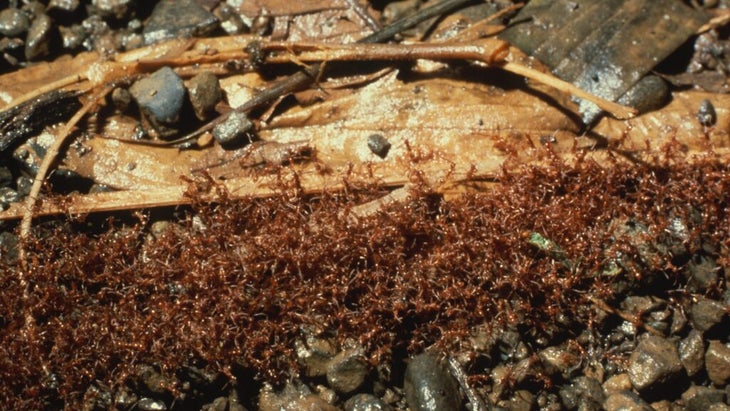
(116,9)
(522,400)
(582,393)
(698,398)
(230,20)
(234,130)
(692,352)
(160,95)
(559,360)
(121,98)
(63,6)
(379,145)
(39,36)
(8,195)
(13,22)
(347,371)
(705,314)
(72,37)
(314,354)
(654,363)
(701,272)
(706,113)
(626,401)
(429,386)
(366,402)
(178,18)
(619,382)
(650,93)
(218,404)
(717,363)
(151,404)
(205,92)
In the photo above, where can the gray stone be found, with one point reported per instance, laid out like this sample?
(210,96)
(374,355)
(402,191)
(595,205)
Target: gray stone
(314,354)
(625,401)
(234,130)
(366,402)
(379,145)
(654,363)
(65,6)
(230,20)
(218,404)
(429,386)
(698,398)
(151,404)
(72,37)
(178,18)
(13,22)
(706,313)
(116,9)
(717,363)
(347,371)
(582,393)
(205,92)
(560,360)
(692,352)
(702,272)
(160,95)
(522,400)
(38,38)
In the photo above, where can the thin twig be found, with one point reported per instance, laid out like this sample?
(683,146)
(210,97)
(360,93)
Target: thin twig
(48,159)
(307,75)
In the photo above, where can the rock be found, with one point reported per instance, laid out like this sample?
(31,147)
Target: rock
(701,272)
(314,354)
(619,382)
(366,402)
(116,9)
(38,38)
(230,20)
(692,352)
(379,145)
(8,195)
(294,396)
(347,371)
(698,398)
(72,37)
(205,92)
(152,380)
(64,6)
(234,130)
(625,401)
(522,400)
(160,95)
(706,314)
(178,18)
(654,363)
(582,393)
(429,386)
(560,360)
(150,404)
(717,363)
(218,404)
(13,22)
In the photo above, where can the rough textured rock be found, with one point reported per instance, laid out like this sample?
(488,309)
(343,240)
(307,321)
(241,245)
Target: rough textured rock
(234,130)
(692,352)
(626,401)
(654,363)
(582,393)
(160,95)
(706,313)
(717,362)
(366,402)
(698,398)
(347,371)
(205,92)
(13,22)
(429,386)
(39,37)
(178,18)
(314,354)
